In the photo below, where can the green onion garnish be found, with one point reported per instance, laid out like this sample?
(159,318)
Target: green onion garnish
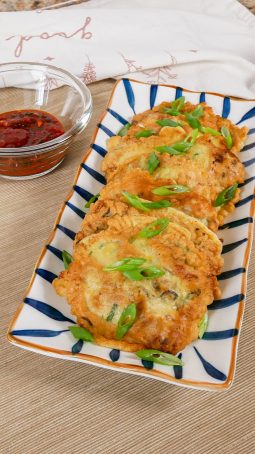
(123,131)
(128,263)
(176,106)
(198,112)
(180,147)
(227,136)
(112,312)
(193,121)
(211,131)
(139,274)
(81,333)
(140,204)
(202,327)
(152,163)
(159,357)
(127,319)
(171,189)
(226,195)
(168,122)
(67,259)
(154,228)
(144,133)
(91,200)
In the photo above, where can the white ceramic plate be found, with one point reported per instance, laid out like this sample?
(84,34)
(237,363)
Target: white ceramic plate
(42,320)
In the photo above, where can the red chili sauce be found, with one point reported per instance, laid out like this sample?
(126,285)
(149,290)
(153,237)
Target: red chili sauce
(21,128)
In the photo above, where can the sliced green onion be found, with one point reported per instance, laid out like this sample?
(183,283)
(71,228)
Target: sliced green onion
(67,259)
(226,195)
(128,263)
(176,106)
(140,204)
(176,149)
(81,333)
(126,320)
(193,121)
(123,131)
(139,274)
(159,357)
(168,122)
(193,136)
(92,200)
(202,327)
(198,112)
(211,131)
(112,312)
(227,136)
(144,133)
(171,189)
(154,228)
(152,163)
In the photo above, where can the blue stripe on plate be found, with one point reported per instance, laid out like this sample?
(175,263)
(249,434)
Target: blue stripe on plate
(45,274)
(237,223)
(230,273)
(75,209)
(98,149)
(47,310)
(67,231)
(147,364)
(249,163)
(129,93)
(249,114)
(226,108)
(178,369)
(98,176)
(106,130)
(229,247)
(86,195)
(209,368)
(114,355)
(76,348)
(240,185)
(248,147)
(251,131)
(55,251)
(202,97)
(178,92)
(220,335)
(226,302)
(244,201)
(153,94)
(38,332)
(118,117)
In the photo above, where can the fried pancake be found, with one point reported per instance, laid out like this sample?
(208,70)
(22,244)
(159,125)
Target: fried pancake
(169,307)
(205,169)
(140,182)
(149,118)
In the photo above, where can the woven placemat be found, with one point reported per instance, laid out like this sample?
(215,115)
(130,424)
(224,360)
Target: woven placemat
(51,406)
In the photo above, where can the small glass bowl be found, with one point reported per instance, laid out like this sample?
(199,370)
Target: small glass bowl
(43,87)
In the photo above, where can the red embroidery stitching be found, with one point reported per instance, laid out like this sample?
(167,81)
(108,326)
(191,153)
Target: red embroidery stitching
(162,74)
(89,74)
(23,38)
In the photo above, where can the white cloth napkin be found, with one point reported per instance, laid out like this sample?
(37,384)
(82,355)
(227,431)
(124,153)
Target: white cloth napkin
(206,45)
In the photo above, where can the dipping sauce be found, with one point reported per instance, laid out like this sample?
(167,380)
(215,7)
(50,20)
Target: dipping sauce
(21,128)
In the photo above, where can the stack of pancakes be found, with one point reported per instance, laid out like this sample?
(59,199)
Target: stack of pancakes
(170,303)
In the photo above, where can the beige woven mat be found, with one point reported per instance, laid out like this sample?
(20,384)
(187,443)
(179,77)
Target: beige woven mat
(51,406)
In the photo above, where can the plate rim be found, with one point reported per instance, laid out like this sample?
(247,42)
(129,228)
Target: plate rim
(131,368)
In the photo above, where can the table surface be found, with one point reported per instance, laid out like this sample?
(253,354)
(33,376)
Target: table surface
(51,406)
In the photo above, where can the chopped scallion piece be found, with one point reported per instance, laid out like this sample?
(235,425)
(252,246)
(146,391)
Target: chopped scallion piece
(152,163)
(67,259)
(81,333)
(159,357)
(143,205)
(226,195)
(123,131)
(171,189)
(176,106)
(91,200)
(127,319)
(168,122)
(112,312)
(144,133)
(128,263)
(211,131)
(154,228)
(227,136)
(202,327)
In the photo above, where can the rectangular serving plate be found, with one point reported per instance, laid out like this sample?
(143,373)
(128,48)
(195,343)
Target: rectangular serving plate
(42,319)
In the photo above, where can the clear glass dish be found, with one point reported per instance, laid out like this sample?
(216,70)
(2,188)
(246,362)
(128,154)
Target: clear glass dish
(26,86)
